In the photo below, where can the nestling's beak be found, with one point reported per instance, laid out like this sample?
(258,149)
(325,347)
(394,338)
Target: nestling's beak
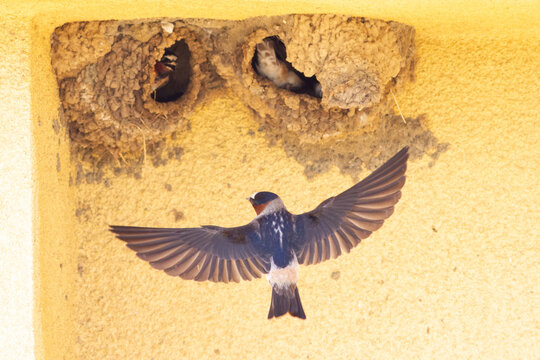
(251,200)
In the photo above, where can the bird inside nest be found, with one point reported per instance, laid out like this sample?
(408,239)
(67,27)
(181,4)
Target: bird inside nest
(270,61)
(172,73)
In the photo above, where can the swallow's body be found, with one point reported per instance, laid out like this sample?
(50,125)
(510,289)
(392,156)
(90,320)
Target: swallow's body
(270,62)
(276,241)
(278,231)
(276,69)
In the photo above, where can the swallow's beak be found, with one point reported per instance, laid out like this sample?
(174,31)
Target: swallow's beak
(250,200)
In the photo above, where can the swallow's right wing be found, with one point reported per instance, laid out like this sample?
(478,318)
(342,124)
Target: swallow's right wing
(339,223)
(207,253)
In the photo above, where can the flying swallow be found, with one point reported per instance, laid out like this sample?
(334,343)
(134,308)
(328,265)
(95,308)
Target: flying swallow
(270,61)
(276,241)
(172,73)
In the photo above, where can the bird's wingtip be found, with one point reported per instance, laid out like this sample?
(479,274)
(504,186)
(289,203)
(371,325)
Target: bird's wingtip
(402,154)
(117,229)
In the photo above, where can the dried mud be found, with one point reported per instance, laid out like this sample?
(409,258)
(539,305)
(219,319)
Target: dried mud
(105,76)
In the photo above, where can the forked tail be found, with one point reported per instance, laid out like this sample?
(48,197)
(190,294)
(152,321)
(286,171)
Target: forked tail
(286,301)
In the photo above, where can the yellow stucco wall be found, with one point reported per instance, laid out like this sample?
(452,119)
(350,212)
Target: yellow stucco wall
(16,255)
(469,290)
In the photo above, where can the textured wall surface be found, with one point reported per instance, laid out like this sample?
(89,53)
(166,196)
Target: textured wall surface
(454,273)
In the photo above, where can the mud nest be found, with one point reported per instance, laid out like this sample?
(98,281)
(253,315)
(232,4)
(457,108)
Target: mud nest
(106,76)
(356,60)
(108,99)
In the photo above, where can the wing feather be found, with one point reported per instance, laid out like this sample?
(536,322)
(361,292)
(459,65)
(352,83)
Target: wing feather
(339,223)
(206,253)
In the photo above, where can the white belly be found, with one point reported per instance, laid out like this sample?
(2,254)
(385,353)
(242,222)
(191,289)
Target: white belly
(283,277)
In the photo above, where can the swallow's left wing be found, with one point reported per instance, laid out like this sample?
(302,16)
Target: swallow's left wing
(341,222)
(207,253)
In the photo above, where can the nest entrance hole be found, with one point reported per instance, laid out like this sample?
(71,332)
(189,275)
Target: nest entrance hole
(172,73)
(270,61)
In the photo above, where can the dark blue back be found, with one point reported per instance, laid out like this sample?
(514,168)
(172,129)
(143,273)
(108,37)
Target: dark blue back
(275,227)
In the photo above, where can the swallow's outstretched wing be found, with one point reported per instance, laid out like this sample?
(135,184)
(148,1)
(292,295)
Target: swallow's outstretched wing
(339,223)
(207,253)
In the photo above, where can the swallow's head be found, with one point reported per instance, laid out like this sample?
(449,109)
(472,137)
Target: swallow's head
(163,70)
(162,73)
(262,199)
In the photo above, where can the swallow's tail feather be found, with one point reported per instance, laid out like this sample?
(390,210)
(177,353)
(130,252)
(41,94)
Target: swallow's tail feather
(284,302)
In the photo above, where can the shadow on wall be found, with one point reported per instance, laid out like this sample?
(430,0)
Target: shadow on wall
(353,153)
(126,87)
